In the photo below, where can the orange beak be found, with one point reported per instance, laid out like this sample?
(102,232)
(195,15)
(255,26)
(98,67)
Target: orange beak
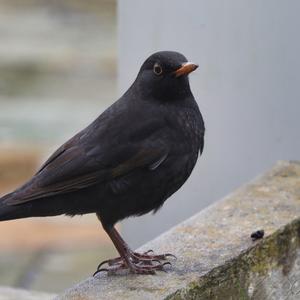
(185,69)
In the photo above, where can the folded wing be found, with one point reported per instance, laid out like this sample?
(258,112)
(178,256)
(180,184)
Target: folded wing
(81,163)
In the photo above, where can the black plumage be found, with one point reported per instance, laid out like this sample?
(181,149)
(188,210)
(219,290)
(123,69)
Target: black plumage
(127,162)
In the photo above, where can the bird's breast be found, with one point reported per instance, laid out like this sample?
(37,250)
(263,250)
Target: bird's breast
(188,130)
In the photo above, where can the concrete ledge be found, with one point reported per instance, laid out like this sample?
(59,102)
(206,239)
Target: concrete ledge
(216,257)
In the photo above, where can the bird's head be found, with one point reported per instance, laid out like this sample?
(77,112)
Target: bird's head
(164,76)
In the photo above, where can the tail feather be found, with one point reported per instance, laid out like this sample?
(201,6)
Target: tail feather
(69,204)
(5,198)
(8,212)
(38,208)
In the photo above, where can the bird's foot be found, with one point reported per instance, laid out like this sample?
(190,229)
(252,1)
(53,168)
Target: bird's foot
(137,263)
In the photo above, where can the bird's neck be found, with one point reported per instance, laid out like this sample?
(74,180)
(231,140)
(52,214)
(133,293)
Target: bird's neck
(174,93)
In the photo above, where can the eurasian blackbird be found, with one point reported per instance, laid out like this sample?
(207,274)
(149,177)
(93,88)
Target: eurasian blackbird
(127,162)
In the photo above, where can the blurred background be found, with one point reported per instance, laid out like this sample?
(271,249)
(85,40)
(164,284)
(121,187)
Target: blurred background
(63,62)
(57,73)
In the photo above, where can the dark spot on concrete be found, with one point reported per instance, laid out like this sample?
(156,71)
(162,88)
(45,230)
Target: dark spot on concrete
(258,234)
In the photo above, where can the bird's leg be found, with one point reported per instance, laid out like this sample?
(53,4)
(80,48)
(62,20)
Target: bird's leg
(145,257)
(137,263)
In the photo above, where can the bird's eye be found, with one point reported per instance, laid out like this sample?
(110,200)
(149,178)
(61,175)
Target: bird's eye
(157,69)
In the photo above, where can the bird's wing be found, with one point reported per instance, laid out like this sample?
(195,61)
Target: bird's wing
(77,165)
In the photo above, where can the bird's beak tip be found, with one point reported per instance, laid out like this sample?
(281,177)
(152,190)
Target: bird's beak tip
(185,69)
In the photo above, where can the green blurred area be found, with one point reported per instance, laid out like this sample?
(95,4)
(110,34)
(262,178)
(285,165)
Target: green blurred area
(57,67)
(57,73)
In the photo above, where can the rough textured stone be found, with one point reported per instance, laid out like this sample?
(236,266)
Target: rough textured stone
(216,257)
(7,293)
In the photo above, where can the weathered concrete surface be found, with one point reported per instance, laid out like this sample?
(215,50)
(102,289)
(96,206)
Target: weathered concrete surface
(216,257)
(7,293)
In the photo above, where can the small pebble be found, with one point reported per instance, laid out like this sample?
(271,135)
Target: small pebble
(256,235)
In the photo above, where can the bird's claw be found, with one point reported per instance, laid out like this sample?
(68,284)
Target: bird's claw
(102,263)
(136,263)
(148,251)
(110,262)
(170,255)
(99,271)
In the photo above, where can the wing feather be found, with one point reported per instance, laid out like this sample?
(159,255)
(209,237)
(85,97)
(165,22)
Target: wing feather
(76,165)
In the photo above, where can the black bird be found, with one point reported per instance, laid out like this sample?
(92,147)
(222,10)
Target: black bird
(127,162)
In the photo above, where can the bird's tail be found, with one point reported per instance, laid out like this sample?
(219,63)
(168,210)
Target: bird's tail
(38,208)
(69,204)
(10,212)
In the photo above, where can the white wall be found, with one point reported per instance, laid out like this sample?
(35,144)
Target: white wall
(247,87)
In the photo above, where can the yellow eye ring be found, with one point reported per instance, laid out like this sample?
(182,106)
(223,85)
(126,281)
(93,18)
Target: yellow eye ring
(157,69)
